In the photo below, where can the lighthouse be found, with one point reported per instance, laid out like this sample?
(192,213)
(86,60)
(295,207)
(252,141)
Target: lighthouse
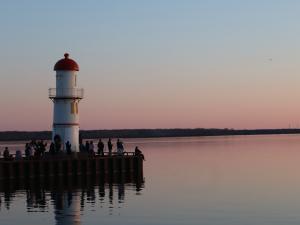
(66,97)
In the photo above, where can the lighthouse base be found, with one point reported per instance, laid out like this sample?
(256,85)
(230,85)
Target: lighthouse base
(67,133)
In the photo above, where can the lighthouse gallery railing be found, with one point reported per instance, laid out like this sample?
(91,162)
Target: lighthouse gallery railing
(66,93)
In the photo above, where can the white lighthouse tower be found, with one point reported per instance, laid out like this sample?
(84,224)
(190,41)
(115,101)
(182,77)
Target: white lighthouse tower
(66,97)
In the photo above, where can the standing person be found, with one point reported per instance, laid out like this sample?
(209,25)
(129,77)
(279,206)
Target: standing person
(30,150)
(120,147)
(81,147)
(110,146)
(87,146)
(6,154)
(52,149)
(42,147)
(118,144)
(57,143)
(18,155)
(68,148)
(91,151)
(27,151)
(100,147)
(139,153)
(36,148)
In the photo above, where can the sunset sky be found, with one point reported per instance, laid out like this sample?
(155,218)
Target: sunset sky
(154,64)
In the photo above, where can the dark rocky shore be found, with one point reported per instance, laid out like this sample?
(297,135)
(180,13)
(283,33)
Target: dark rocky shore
(142,133)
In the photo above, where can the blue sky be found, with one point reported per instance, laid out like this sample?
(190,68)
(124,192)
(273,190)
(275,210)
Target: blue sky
(148,64)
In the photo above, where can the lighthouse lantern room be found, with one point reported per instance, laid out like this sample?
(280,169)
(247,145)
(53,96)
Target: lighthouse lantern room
(66,97)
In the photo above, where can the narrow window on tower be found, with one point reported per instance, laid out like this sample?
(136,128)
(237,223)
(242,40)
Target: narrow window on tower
(76,107)
(73,109)
(75,80)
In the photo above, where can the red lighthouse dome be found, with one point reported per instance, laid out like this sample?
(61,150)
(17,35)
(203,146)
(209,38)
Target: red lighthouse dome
(66,64)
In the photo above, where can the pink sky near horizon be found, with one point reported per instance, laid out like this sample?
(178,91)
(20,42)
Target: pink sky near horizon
(173,103)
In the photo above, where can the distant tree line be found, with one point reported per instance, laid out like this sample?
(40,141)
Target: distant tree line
(142,133)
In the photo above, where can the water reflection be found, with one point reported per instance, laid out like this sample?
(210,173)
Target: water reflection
(67,197)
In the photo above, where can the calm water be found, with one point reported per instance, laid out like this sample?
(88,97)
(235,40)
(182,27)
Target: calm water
(208,180)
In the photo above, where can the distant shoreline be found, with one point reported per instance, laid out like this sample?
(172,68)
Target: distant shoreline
(143,133)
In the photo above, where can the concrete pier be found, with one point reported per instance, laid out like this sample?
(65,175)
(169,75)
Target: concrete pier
(71,165)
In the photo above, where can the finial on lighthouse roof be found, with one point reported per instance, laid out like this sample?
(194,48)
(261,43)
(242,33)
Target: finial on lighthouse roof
(66,64)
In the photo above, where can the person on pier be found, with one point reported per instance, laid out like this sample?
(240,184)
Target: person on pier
(28,151)
(138,152)
(120,147)
(87,147)
(52,149)
(57,143)
(100,147)
(81,148)
(110,146)
(68,148)
(42,147)
(6,154)
(18,155)
(91,150)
